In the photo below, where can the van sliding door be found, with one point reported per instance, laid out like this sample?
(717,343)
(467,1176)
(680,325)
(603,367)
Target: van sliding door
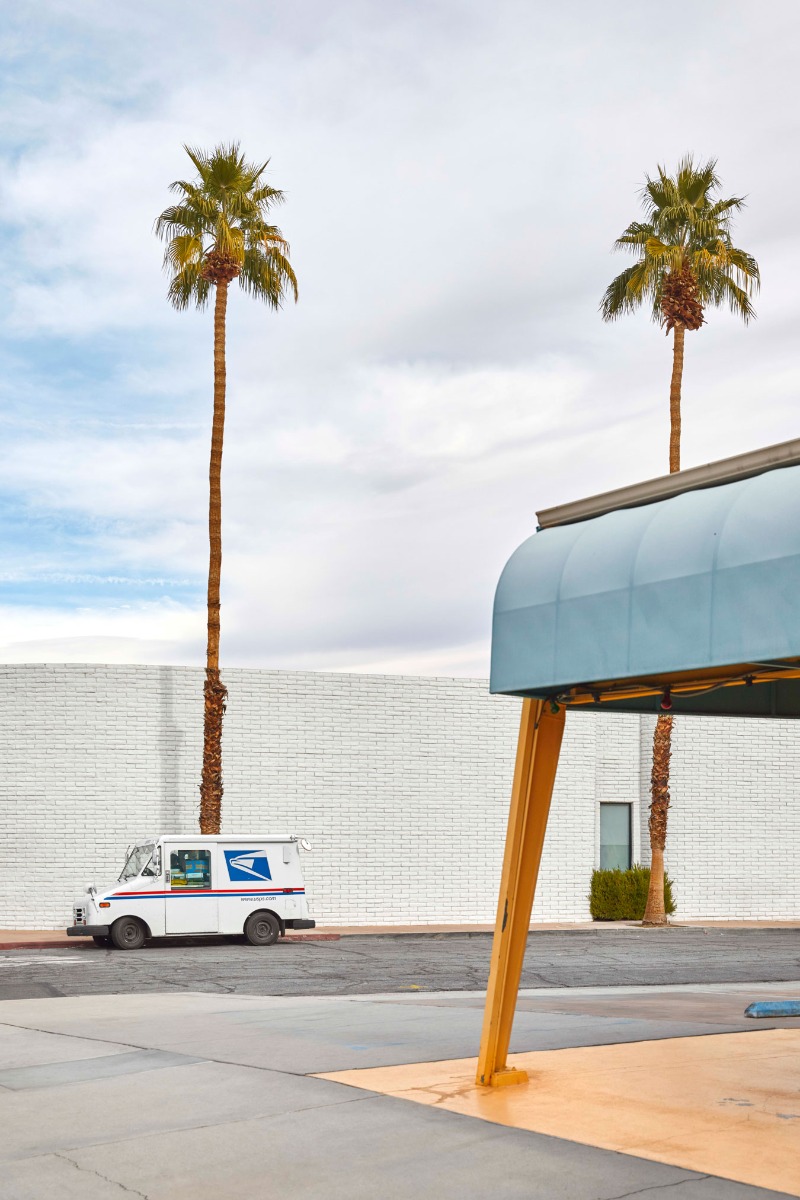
(192,905)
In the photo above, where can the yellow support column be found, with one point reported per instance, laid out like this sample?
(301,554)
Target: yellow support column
(540,733)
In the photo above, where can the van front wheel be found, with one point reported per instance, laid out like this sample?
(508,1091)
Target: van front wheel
(262,929)
(127,934)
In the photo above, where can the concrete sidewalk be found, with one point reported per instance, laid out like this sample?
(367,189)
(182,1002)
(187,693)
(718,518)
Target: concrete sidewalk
(167,1096)
(49,939)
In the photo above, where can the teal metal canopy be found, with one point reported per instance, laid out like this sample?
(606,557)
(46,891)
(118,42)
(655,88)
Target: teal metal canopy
(675,593)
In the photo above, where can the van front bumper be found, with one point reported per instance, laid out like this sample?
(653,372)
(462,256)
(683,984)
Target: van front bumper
(87,931)
(298,923)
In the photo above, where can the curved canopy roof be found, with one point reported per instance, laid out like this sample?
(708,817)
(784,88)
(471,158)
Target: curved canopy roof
(698,586)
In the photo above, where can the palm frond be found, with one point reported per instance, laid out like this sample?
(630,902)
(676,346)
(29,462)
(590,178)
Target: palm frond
(635,235)
(745,268)
(267,274)
(722,208)
(706,228)
(725,289)
(187,286)
(625,293)
(267,195)
(259,233)
(182,251)
(180,218)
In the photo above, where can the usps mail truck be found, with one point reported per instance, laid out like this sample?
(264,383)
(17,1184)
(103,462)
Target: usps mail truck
(193,884)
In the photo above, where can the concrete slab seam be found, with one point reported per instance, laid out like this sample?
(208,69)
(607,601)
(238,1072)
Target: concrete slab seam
(224,1124)
(224,1062)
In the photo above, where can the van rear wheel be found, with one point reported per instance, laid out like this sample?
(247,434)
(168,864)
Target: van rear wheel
(127,934)
(262,929)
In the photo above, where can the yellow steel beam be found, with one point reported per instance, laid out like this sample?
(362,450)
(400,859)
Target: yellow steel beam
(540,733)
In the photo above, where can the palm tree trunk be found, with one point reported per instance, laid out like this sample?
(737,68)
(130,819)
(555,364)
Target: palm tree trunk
(654,913)
(214,691)
(679,333)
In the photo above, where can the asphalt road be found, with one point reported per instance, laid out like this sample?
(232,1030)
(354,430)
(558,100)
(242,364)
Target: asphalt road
(424,962)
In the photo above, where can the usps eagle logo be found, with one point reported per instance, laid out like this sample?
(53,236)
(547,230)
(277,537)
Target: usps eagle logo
(244,866)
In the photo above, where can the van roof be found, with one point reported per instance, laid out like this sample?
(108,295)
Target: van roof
(220,837)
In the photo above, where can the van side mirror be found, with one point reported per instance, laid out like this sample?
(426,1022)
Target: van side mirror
(156,861)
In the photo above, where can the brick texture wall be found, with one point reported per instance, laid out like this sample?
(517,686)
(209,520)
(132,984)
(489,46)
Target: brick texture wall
(733,842)
(401,784)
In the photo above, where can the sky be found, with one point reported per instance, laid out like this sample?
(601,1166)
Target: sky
(455,174)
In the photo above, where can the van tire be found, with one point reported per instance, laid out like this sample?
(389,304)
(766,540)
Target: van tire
(100,939)
(127,934)
(262,929)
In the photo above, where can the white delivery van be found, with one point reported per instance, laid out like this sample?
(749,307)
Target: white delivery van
(175,884)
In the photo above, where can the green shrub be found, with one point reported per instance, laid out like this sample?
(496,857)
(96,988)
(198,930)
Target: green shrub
(622,895)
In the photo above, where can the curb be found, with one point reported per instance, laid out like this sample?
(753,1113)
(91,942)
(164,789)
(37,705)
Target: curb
(311,937)
(34,945)
(597,929)
(88,944)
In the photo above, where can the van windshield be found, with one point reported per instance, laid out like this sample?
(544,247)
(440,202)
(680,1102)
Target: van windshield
(137,861)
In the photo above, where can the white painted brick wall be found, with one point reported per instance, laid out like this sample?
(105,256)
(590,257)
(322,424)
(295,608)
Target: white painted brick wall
(402,784)
(733,838)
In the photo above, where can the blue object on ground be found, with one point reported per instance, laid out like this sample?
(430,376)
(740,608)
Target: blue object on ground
(773,1008)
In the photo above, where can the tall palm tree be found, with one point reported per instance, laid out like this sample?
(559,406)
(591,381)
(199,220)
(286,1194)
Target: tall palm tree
(685,262)
(218,231)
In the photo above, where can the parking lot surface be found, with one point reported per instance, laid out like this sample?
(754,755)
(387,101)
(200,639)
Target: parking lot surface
(214,1096)
(407,963)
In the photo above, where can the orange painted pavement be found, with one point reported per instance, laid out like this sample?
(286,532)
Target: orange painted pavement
(724,1104)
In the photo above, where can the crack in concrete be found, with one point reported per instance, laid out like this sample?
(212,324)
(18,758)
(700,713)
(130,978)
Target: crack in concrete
(656,1187)
(130,1191)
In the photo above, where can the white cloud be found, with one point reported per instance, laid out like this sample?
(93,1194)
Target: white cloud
(157,632)
(455,176)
